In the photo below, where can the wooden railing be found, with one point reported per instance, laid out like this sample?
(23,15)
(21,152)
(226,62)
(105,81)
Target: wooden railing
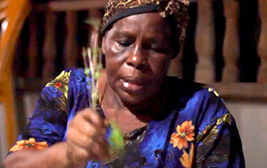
(230,86)
(262,47)
(205,34)
(49,48)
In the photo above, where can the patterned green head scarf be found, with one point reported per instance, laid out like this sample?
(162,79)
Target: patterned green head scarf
(118,9)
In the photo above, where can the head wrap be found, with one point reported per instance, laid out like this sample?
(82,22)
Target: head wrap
(118,9)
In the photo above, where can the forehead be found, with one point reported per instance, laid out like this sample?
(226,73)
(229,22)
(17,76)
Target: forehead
(151,24)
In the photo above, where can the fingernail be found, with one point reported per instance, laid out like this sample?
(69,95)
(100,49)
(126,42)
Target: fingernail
(106,123)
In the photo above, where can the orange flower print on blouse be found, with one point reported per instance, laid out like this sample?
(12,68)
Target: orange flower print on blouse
(184,135)
(28,144)
(187,158)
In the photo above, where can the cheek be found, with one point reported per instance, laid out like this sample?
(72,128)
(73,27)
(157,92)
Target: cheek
(113,67)
(112,75)
(115,58)
(114,54)
(159,66)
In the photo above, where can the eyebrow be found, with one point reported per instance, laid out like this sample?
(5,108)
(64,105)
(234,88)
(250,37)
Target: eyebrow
(123,32)
(153,39)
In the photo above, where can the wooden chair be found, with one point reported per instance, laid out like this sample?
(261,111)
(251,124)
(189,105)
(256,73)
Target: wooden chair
(13,14)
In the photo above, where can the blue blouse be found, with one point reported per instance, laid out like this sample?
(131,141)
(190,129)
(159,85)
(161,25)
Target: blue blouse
(195,129)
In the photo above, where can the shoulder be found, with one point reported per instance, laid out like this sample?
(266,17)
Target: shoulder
(189,92)
(77,75)
(197,102)
(66,80)
(75,78)
(69,86)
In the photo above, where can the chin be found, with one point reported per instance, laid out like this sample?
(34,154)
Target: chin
(135,99)
(135,96)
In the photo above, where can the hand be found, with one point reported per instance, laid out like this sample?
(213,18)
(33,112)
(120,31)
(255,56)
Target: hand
(85,138)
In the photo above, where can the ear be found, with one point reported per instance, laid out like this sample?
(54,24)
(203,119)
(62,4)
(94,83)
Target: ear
(103,45)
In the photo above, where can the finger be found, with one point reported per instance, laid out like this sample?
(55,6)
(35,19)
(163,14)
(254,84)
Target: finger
(86,117)
(84,139)
(100,151)
(89,129)
(77,156)
(96,150)
(106,123)
(93,117)
(84,134)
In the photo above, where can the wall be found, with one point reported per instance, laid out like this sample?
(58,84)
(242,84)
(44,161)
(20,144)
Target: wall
(251,121)
(3,142)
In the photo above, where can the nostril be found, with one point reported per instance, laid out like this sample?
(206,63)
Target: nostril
(137,60)
(140,66)
(130,64)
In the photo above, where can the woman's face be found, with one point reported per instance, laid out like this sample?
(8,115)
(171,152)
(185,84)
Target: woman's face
(138,53)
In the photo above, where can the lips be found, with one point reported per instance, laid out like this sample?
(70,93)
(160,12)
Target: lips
(133,84)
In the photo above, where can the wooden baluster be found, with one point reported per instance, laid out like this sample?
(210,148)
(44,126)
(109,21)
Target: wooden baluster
(49,49)
(33,47)
(262,46)
(205,71)
(94,14)
(71,46)
(231,42)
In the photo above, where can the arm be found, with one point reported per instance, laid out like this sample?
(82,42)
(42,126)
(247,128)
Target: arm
(46,127)
(218,142)
(54,156)
(41,145)
(219,145)
(85,141)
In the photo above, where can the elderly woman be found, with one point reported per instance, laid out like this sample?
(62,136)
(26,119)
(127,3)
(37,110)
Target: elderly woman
(166,122)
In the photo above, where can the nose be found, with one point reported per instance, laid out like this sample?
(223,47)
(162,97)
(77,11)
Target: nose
(137,59)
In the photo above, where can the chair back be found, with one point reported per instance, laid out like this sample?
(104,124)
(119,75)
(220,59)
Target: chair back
(12,14)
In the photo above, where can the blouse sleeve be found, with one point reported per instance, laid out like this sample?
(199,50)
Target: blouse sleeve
(48,121)
(218,142)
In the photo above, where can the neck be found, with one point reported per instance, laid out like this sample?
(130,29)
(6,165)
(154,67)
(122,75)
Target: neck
(128,117)
(115,109)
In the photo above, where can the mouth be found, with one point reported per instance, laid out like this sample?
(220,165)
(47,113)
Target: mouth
(133,84)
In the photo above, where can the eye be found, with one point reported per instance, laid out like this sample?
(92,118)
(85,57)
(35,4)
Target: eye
(160,48)
(124,43)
